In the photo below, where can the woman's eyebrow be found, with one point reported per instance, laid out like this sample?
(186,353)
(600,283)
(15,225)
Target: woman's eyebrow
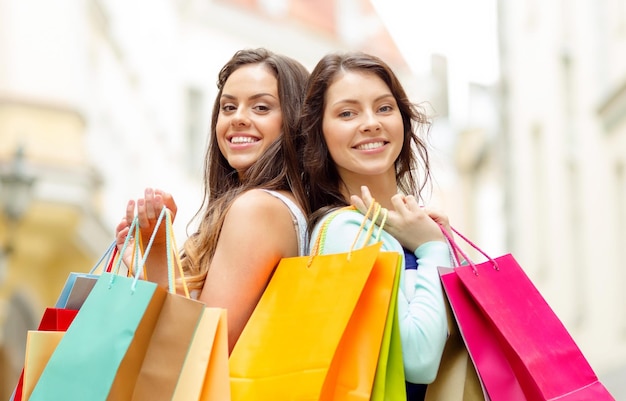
(354,101)
(255,96)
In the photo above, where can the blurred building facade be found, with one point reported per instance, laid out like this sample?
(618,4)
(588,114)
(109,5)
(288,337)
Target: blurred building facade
(562,153)
(540,157)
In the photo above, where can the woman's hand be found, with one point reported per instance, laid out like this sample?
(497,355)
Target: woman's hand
(408,222)
(439,218)
(148,209)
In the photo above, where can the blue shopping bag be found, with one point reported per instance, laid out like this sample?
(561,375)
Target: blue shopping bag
(92,276)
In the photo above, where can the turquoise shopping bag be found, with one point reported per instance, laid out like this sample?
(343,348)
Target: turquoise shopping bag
(101,353)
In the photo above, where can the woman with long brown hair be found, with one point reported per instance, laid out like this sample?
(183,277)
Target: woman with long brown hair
(362,145)
(253,194)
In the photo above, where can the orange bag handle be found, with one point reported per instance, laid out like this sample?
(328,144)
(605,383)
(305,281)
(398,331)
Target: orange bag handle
(173,257)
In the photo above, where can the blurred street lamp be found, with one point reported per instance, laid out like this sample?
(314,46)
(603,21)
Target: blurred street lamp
(15,196)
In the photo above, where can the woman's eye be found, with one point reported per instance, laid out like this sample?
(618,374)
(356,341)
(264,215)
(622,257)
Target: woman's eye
(262,108)
(228,107)
(385,109)
(345,114)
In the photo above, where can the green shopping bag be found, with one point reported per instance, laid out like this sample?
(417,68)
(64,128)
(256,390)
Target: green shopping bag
(101,353)
(389,384)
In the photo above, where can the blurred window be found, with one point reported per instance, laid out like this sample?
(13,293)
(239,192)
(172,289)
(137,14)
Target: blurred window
(196,130)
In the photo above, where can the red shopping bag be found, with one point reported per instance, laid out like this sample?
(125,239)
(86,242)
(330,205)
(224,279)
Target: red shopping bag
(544,362)
(53,319)
(56,319)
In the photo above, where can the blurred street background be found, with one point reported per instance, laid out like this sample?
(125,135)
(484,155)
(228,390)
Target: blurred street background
(102,98)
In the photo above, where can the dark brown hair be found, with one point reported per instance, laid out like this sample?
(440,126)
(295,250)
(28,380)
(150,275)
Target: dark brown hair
(276,169)
(322,179)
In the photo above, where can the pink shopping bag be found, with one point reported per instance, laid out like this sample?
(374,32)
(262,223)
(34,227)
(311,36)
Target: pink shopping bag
(506,321)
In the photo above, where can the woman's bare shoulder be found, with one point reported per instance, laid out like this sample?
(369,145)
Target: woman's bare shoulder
(258,217)
(259,206)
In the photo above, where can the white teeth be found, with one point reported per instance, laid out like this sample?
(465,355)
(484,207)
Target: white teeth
(371,145)
(242,139)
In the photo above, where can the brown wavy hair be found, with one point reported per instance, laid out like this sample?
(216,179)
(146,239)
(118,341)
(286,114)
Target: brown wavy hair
(277,169)
(323,183)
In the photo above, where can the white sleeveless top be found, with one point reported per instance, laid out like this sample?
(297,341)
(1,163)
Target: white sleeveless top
(299,221)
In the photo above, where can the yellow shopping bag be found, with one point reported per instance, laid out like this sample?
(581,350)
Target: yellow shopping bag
(39,346)
(204,376)
(317,330)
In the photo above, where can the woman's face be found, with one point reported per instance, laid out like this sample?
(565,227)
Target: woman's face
(250,117)
(362,126)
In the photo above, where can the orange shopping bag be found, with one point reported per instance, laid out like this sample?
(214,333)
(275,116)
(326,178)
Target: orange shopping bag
(316,333)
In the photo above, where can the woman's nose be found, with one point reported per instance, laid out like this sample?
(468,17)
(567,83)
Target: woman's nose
(240,118)
(370,123)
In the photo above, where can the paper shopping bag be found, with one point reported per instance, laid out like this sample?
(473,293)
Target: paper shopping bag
(286,348)
(168,347)
(354,366)
(216,385)
(101,353)
(204,375)
(186,329)
(39,346)
(53,319)
(69,286)
(545,360)
(293,348)
(483,345)
(456,379)
(86,281)
(368,362)
(389,381)
(83,284)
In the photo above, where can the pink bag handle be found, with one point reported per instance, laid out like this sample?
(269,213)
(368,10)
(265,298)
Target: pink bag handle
(456,249)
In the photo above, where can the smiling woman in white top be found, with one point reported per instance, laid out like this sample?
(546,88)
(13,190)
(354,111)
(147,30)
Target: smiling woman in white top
(253,195)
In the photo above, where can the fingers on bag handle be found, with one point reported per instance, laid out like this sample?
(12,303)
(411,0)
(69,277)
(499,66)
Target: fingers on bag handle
(173,258)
